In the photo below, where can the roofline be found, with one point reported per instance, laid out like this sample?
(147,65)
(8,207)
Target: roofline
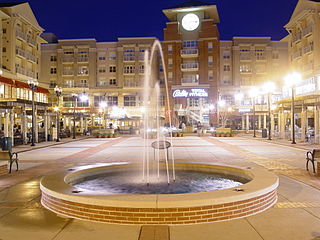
(76,39)
(251,37)
(137,38)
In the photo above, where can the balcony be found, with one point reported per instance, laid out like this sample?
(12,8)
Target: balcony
(192,66)
(308,49)
(31,41)
(297,37)
(297,54)
(81,85)
(20,52)
(83,59)
(190,81)
(68,60)
(31,74)
(245,57)
(30,57)
(67,73)
(20,70)
(191,52)
(307,31)
(21,35)
(83,72)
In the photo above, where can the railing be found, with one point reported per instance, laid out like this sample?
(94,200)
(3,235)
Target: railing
(297,54)
(20,34)
(30,57)
(308,49)
(31,74)
(297,37)
(67,59)
(128,58)
(67,72)
(308,30)
(32,41)
(189,65)
(81,85)
(192,79)
(83,59)
(20,70)
(245,57)
(187,52)
(20,51)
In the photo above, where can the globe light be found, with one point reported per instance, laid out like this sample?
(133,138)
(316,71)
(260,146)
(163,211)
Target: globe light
(269,87)
(292,79)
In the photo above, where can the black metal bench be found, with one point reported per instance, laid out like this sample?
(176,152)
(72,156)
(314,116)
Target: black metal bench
(312,156)
(11,157)
(160,145)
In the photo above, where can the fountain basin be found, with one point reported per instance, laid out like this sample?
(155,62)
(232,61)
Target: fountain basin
(189,208)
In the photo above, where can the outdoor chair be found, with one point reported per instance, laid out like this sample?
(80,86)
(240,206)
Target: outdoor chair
(312,156)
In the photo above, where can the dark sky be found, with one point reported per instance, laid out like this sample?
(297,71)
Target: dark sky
(109,19)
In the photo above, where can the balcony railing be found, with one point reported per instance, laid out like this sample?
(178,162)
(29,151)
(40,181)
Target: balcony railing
(297,54)
(189,52)
(190,66)
(308,49)
(129,58)
(68,59)
(20,51)
(81,85)
(30,57)
(297,37)
(245,57)
(21,34)
(31,74)
(20,70)
(190,80)
(308,30)
(31,41)
(68,72)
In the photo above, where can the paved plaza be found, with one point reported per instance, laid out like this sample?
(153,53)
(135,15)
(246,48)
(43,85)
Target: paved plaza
(295,216)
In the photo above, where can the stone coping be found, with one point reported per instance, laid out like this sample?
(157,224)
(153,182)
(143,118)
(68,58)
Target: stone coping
(262,182)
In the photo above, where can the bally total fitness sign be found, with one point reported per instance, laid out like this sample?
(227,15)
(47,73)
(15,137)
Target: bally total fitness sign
(189,93)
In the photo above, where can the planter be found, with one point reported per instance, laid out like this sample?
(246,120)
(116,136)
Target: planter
(103,136)
(182,134)
(109,136)
(178,134)
(97,136)
(174,134)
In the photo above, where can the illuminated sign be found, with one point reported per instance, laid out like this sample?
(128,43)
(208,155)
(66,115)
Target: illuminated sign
(184,93)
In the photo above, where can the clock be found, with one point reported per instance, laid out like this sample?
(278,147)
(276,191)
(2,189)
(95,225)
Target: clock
(190,22)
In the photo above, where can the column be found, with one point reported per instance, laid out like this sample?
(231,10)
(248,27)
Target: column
(247,122)
(24,126)
(46,125)
(281,124)
(36,130)
(259,121)
(303,116)
(272,124)
(264,120)
(86,124)
(11,133)
(6,123)
(81,124)
(242,123)
(316,124)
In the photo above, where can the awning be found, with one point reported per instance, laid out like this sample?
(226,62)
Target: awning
(42,90)
(6,81)
(26,85)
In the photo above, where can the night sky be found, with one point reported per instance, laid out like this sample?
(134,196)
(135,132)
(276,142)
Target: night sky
(107,20)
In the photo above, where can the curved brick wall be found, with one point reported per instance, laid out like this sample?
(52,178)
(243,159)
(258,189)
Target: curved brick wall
(192,215)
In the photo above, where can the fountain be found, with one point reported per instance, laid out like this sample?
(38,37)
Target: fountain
(158,191)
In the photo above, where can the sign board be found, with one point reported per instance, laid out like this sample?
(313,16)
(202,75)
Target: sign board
(194,92)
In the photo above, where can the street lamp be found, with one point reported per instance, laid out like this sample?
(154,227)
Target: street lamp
(103,105)
(74,100)
(292,80)
(253,94)
(33,84)
(58,92)
(269,87)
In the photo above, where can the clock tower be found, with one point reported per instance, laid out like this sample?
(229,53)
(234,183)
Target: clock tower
(191,49)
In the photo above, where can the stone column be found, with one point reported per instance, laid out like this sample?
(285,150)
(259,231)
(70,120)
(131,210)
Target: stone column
(303,116)
(281,124)
(24,126)
(272,124)
(243,123)
(11,133)
(81,124)
(6,123)
(46,125)
(36,127)
(316,124)
(86,124)
(264,120)
(259,121)
(247,122)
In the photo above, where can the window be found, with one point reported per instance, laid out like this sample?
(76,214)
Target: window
(68,52)
(53,58)
(226,68)
(129,55)
(188,44)
(170,63)
(112,56)
(226,55)
(53,70)
(210,46)
(129,101)
(112,81)
(83,70)
(275,55)
(170,76)
(194,102)
(52,84)
(141,68)
(128,69)
(4,30)
(112,69)
(112,100)
(102,57)
(226,80)
(210,75)
(169,49)
(102,70)
(210,61)
(245,68)
(260,54)
(4,49)
(102,82)
(82,83)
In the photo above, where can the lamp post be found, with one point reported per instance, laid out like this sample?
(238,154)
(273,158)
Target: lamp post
(74,100)
(269,87)
(292,80)
(253,94)
(58,92)
(33,86)
(103,105)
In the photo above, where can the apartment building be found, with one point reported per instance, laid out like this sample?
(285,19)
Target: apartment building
(191,49)
(247,62)
(20,63)
(110,74)
(304,57)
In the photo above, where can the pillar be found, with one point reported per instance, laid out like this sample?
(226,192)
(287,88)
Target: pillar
(36,127)
(6,123)
(264,120)
(81,124)
(303,116)
(11,133)
(259,121)
(243,123)
(247,122)
(272,124)
(46,125)
(281,124)
(24,126)
(86,124)
(316,124)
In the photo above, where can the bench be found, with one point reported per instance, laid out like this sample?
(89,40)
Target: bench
(160,145)
(11,157)
(312,156)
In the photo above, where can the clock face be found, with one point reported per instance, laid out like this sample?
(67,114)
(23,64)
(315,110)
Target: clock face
(190,22)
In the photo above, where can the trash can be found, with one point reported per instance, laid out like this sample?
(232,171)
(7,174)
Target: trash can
(7,144)
(49,137)
(264,133)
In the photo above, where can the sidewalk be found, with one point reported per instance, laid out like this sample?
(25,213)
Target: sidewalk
(28,147)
